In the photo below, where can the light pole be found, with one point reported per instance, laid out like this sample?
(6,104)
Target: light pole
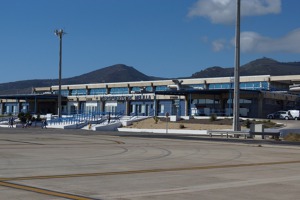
(59,33)
(236,103)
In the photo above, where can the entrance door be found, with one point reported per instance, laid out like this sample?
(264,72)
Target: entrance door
(111,106)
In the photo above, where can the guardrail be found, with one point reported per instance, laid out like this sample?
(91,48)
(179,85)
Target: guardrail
(246,134)
(228,133)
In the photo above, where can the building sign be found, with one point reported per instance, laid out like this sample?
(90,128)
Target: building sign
(143,97)
(126,98)
(116,98)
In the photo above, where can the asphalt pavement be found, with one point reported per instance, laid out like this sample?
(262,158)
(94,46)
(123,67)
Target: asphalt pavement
(57,164)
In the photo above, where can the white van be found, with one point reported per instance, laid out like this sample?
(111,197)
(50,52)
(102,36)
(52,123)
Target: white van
(295,114)
(280,115)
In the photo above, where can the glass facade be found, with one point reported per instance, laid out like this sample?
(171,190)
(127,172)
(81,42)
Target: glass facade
(263,85)
(64,93)
(161,88)
(255,85)
(119,90)
(77,92)
(220,86)
(149,89)
(197,86)
(96,91)
(136,89)
(144,89)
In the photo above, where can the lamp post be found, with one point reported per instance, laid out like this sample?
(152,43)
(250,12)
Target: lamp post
(236,103)
(59,33)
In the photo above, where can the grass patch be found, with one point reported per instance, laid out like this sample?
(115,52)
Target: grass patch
(292,137)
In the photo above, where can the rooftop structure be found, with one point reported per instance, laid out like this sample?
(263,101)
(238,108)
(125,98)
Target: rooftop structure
(260,95)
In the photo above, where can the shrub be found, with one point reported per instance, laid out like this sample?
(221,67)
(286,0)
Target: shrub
(213,117)
(38,118)
(24,116)
(28,116)
(21,117)
(155,119)
(248,123)
(181,126)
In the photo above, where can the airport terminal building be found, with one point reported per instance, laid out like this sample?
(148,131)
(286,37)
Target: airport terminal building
(259,96)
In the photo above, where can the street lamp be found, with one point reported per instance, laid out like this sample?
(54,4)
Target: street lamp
(59,33)
(236,103)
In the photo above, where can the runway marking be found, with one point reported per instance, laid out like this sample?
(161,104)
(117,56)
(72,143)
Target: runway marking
(44,191)
(148,171)
(60,144)
(20,142)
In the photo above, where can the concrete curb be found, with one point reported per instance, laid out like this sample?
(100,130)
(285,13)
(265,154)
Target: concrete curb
(175,131)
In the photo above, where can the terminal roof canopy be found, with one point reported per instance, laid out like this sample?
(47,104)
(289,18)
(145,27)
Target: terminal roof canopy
(29,96)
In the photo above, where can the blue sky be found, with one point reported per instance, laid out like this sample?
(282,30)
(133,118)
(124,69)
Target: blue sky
(165,38)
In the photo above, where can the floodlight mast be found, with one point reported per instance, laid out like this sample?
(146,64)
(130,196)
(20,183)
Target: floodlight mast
(59,33)
(236,103)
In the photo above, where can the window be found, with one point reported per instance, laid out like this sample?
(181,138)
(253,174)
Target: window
(136,89)
(149,89)
(161,88)
(162,108)
(96,91)
(64,93)
(247,85)
(255,85)
(197,86)
(219,86)
(119,90)
(77,92)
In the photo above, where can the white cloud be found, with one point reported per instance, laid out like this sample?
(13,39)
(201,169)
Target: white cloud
(204,39)
(218,45)
(224,11)
(252,42)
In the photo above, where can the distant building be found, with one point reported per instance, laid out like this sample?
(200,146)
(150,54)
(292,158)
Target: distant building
(259,96)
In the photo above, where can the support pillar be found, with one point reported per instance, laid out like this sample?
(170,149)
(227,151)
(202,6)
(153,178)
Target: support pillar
(190,105)
(35,105)
(102,106)
(19,107)
(1,107)
(260,105)
(186,107)
(155,106)
(127,107)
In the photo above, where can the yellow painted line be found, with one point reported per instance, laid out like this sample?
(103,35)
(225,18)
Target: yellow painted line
(43,191)
(149,171)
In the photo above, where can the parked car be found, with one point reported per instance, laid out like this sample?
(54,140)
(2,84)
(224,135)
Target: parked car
(280,115)
(295,114)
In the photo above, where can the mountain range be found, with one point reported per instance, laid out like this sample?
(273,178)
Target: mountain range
(263,66)
(123,73)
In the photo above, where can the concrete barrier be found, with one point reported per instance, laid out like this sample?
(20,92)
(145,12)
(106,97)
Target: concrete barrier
(127,123)
(228,133)
(174,131)
(108,127)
